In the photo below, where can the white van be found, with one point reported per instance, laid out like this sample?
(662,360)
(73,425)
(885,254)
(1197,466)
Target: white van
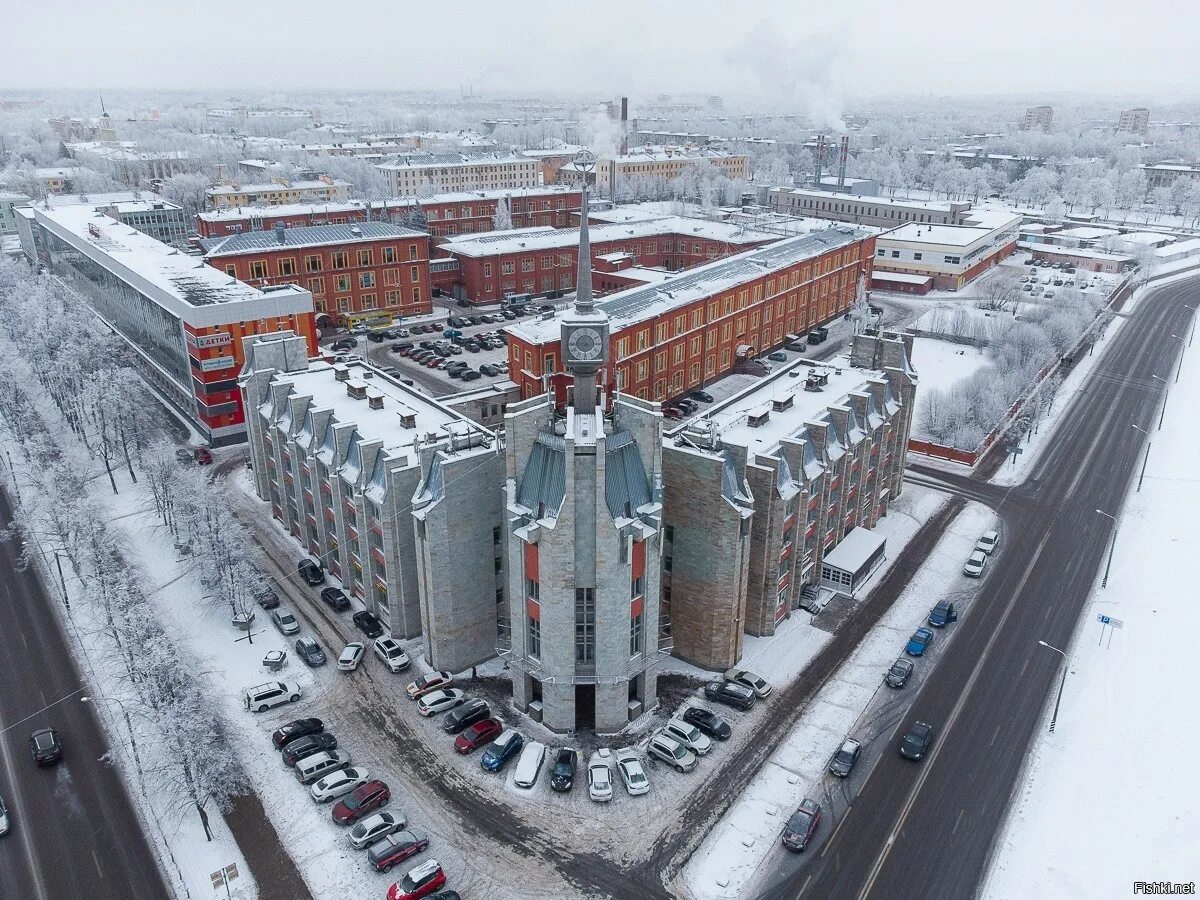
(318,765)
(529,766)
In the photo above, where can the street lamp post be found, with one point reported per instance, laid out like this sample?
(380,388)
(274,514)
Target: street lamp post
(1178,368)
(1146,458)
(1112,547)
(1061,684)
(1166,394)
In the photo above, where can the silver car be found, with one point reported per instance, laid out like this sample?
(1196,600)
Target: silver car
(285,621)
(376,828)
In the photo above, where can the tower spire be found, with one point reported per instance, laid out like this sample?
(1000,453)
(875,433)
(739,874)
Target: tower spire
(585,162)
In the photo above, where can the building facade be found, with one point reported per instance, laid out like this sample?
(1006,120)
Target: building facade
(1038,118)
(275,193)
(880,212)
(1134,121)
(183,321)
(952,255)
(1166,173)
(353,272)
(124,162)
(9,200)
(411,176)
(762,486)
(397,495)
(649,162)
(670,338)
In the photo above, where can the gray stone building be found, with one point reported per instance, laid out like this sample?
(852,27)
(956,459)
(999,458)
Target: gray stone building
(759,488)
(397,495)
(583,540)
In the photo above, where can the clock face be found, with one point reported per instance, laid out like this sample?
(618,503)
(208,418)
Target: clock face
(584,344)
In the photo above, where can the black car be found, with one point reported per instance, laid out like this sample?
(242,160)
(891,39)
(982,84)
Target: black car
(471,346)
(470,375)
(368,624)
(897,675)
(735,695)
(465,715)
(708,722)
(46,747)
(916,741)
(311,572)
(402,347)
(942,614)
(344,344)
(310,651)
(296,750)
(562,773)
(335,599)
(797,346)
(842,762)
(297,728)
(376,337)
(777,356)
(266,598)
(702,396)
(489,370)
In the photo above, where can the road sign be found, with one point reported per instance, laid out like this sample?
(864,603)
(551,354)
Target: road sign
(1109,620)
(1103,619)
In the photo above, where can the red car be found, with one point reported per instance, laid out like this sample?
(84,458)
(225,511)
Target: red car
(419,882)
(478,734)
(396,848)
(203,457)
(361,801)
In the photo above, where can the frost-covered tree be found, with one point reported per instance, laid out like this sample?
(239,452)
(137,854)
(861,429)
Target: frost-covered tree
(502,220)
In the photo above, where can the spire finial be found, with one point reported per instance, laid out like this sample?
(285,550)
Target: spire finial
(585,162)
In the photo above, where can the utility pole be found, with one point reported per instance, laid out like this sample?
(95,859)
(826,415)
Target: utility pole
(1061,684)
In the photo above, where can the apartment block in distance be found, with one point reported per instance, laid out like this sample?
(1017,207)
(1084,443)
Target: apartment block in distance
(275,193)
(654,162)
(1134,121)
(411,176)
(183,320)
(1038,118)
(353,272)
(762,489)
(397,495)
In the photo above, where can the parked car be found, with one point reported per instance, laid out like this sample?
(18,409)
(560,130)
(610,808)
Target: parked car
(562,773)
(736,695)
(919,642)
(335,599)
(701,396)
(942,614)
(344,344)
(318,765)
(470,375)
(310,651)
(489,370)
(202,456)
(987,542)
(672,752)
(351,656)
(266,598)
(797,346)
(800,828)
(842,762)
(391,654)
(898,674)
(367,623)
(267,696)
(475,736)
(973,567)
(46,747)
(338,784)
(777,356)
(632,773)
(440,701)
(419,882)
(426,684)
(4,824)
(916,740)
(600,787)
(749,679)
(311,572)
(529,764)
(296,750)
(708,722)
(361,801)
(670,412)
(688,735)
(502,749)
(285,621)
(467,714)
(297,728)
(375,828)
(396,848)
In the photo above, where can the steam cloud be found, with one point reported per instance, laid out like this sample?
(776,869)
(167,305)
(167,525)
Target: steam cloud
(601,134)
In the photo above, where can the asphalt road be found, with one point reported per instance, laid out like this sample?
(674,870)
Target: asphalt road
(74,831)
(929,828)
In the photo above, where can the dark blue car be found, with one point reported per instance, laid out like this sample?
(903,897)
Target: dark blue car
(501,750)
(918,642)
(943,614)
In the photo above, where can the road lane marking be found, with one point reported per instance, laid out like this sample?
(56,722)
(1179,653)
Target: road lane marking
(997,734)
(829,843)
(957,821)
(1023,668)
(96,860)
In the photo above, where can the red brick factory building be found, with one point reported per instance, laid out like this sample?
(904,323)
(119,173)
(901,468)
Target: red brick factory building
(671,337)
(355,271)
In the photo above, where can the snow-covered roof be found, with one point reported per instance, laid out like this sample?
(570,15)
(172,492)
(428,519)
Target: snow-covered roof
(900,277)
(640,303)
(1081,252)
(1148,238)
(317,184)
(438,160)
(303,237)
(1087,233)
(855,550)
(900,203)
(667,154)
(1182,248)
(934,235)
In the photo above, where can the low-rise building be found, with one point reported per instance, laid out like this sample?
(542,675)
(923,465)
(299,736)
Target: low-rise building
(881,212)
(660,163)
(396,494)
(951,255)
(129,165)
(275,193)
(762,486)
(1167,172)
(8,201)
(353,272)
(414,175)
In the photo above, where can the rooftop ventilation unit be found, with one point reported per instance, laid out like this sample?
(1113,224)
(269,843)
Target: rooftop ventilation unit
(758,419)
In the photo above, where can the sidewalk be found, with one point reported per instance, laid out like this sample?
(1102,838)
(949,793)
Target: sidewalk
(275,871)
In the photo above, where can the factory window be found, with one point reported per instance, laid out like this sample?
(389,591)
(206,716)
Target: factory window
(637,627)
(694,346)
(312,264)
(896,255)
(366,257)
(391,276)
(678,353)
(487,270)
(341,259)
(258,269)
(694,373)
(316,286)
(414,274)
(416,295)
(368,301)
(547,262)
(231,271)
(916,256)
(342,283)
(389,254)
(412,250)
(392,298)
(506,268)
(366,279)
(532,589)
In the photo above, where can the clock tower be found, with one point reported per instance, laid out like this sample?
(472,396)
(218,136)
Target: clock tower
(584,328)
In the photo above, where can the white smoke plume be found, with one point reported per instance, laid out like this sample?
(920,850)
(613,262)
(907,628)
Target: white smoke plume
(600,133)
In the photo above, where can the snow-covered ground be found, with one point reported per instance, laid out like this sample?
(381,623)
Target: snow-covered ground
(941,364)
(1113,796)
(744,844)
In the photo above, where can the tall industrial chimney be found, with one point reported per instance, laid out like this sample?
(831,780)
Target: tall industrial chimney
(842,158)
(820,158)
(624,126)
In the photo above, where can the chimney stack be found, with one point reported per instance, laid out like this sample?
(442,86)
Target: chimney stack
(842,158)
(280,227)
(820,158)
(624,126)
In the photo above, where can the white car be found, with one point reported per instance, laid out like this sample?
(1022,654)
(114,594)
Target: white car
(440,701)
(376,828)
(3,817)
(269,695)
(973,567)
(351,656)
(688,735)
(749,679)
(987,542)
(673,753)
(600,787)
(285,621)
(632,772)
(529,764)
(339,783)
(391,654)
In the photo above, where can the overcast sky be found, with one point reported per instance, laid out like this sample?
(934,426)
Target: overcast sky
(779,47)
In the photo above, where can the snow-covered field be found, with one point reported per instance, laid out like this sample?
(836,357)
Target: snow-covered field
(1113,796)
(941,364)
